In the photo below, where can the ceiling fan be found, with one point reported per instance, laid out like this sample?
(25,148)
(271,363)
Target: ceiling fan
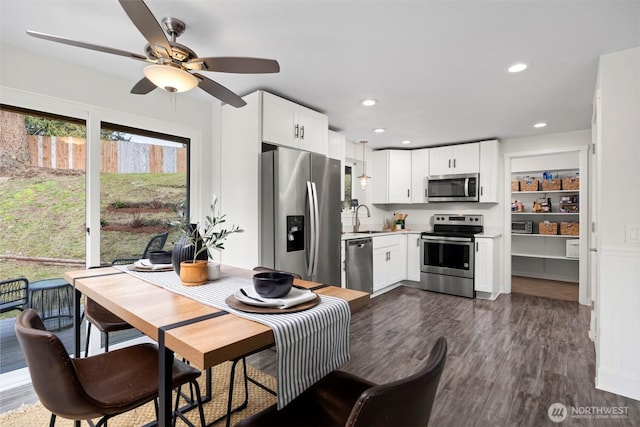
(174,66)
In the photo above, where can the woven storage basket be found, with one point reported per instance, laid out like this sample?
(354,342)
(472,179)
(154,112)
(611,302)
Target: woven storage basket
(515,185)
(551,184)
(570,183)
(529,185)
(569,228)
(548,228)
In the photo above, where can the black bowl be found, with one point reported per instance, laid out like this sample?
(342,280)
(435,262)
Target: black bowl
(272,284)
(160,257)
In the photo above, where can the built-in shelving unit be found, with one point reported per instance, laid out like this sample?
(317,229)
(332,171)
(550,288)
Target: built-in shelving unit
(545,255)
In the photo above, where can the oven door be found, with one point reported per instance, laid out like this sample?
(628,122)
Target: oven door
(451,256)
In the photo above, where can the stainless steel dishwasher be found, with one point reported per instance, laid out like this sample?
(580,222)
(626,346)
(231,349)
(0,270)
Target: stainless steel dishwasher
(360,264)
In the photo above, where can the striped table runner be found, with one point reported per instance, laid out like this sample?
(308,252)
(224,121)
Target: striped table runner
(309,343)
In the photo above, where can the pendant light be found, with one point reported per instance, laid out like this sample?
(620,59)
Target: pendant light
(364,179)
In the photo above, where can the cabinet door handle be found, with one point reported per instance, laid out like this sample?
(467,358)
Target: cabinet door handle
(476,246)
(481,190)
(408,192)
(301,132)
(296,132)
(449,163)
(454,163)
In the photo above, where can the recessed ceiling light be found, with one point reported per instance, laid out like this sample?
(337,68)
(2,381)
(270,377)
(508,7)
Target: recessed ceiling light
(369,102)
(406,141)
(379,130)
(540,125)
(518,67)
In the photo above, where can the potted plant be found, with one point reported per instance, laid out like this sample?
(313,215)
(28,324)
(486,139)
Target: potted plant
(198,242)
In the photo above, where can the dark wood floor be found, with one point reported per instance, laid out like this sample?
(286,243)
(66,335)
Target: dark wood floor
(508,360)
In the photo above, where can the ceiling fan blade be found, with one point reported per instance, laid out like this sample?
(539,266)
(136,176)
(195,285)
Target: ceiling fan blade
(218,91)
(147,24)
(87,45)
(231,64)
(143,87)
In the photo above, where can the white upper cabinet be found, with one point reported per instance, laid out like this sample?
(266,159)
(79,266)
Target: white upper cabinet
(454,159)
(292,125)
(391,176)
(489,171)
(419,173)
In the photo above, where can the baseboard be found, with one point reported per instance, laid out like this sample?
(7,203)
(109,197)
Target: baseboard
(615,382)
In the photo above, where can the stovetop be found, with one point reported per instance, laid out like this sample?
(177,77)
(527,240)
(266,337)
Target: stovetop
(456,225)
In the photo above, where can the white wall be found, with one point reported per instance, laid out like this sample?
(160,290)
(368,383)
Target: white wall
(618,206)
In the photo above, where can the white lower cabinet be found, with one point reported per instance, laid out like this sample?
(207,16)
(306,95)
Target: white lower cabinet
(389,260)
(413,257)
(486,266)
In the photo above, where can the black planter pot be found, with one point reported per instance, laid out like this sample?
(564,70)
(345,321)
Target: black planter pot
(184,250)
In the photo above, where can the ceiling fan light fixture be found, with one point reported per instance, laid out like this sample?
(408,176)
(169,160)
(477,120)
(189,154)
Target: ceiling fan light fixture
(170,78)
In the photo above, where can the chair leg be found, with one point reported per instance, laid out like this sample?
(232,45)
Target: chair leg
(176,412)
(199,398)
(231,384)
(86,348)
(52,420)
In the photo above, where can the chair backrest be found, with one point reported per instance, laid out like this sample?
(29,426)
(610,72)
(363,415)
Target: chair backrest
(267,269)
(155,244)
(53,374)
(405,402)
(14,294)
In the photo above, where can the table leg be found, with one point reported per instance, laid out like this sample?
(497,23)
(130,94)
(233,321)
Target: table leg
(77,322)
(165,363)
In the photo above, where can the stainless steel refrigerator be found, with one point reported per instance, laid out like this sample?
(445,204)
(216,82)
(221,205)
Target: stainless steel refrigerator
(301,225)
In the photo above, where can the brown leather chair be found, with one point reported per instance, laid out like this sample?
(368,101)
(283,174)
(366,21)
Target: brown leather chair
(100,386)
(343,399)
(104,320)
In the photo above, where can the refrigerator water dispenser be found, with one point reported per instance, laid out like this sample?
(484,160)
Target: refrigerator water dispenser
(295,233)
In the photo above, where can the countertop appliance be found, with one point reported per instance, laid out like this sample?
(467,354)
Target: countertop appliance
(453,188)
(359,264)
(300,193)
(522,227)
(447,254)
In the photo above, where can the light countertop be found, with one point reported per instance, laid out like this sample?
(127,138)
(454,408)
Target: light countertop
(350,235)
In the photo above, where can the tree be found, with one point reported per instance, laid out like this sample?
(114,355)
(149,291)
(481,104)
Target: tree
(48,127)
(14,148)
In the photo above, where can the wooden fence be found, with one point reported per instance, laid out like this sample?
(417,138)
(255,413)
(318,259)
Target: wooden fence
(115,156)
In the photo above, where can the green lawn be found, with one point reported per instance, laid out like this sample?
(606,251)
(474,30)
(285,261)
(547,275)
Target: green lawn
(44,216)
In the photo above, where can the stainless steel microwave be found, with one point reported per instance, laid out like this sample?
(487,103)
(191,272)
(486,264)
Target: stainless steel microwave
(522,227)
(453,188)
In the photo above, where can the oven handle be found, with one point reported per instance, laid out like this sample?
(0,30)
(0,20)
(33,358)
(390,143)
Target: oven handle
(447,239)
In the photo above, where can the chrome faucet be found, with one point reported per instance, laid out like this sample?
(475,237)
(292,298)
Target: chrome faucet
(356,226)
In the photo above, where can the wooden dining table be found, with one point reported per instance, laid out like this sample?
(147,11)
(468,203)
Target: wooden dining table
(202,334)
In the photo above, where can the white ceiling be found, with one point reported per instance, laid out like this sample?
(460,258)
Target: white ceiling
(438,68)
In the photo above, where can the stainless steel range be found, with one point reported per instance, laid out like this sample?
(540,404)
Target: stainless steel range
(447,254)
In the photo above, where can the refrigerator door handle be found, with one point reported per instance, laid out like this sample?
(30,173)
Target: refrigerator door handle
(316,238)
(312,232)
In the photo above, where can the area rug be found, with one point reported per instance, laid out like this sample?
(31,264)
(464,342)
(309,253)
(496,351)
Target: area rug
(36,415)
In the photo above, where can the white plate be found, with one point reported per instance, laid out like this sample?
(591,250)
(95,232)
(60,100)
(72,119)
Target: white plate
(294,297)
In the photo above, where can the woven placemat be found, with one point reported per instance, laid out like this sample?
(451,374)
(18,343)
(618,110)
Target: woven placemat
(37,415)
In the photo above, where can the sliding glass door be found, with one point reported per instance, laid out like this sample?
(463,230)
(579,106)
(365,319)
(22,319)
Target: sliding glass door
(143,176)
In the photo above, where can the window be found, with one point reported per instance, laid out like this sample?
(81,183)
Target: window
(143,177)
